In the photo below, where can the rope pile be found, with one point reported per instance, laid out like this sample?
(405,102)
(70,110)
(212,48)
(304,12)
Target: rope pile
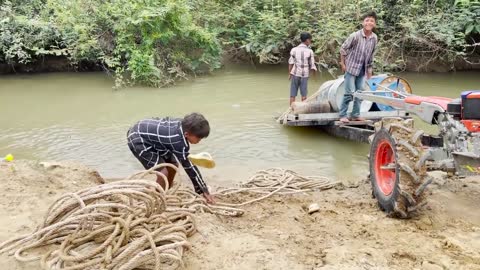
(276,181)
(135,224)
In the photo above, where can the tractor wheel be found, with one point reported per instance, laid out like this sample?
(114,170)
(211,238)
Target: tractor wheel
(397,167)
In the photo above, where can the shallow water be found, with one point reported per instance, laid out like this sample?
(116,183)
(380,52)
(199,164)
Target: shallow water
(78,116)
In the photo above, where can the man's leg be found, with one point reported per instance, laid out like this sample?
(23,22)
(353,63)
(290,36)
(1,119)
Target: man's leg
(160,179)
(304,88)
(147,160)
(292,99)
(169,174)
(359,84)
(294,84)
(349,81)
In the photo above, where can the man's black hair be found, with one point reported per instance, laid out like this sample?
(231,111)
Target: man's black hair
(305,36)
(196,124)
(371,14)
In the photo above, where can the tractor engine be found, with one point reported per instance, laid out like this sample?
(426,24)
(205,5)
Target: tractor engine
(467,110)
(460,129)
(471,110)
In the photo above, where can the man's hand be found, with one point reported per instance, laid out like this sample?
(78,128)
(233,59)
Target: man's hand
(369,74)
(344,68)
(289,76)
(209,198)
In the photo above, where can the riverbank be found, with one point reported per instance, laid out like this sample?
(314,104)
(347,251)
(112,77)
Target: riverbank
(349,232)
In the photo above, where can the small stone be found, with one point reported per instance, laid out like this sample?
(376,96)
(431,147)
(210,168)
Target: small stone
(50,165)
(314,207)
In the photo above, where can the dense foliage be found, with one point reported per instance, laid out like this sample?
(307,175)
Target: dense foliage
(153,41)
(156,42)
(434,30)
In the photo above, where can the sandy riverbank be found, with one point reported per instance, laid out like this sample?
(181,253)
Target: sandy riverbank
(349,232)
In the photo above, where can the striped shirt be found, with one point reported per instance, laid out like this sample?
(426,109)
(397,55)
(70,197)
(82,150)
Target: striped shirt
(302,59)
(358,51)
(162,138)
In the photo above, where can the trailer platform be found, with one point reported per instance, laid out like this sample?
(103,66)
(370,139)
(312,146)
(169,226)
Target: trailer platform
(358,131)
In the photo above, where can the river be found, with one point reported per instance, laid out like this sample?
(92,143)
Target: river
(78,116)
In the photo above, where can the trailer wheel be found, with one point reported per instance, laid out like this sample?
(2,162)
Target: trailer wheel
(398,185)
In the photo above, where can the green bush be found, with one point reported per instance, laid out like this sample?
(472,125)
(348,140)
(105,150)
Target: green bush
(157,42)
(153,42)
(441,30)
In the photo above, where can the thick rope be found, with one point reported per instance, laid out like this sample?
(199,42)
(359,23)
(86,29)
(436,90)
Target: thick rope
(136,224)
(276,181)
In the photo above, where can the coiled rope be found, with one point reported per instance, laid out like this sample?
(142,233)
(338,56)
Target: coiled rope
(135,224)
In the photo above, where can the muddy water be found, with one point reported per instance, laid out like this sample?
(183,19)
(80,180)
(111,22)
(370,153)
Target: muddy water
(78,116)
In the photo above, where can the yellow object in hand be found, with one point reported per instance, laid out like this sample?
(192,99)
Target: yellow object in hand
(203,159)
(8,157)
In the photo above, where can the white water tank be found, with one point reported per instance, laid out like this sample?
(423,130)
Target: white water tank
(333,92)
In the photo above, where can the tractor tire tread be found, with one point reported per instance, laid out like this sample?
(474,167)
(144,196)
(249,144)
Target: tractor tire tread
(412,179)
(409,147)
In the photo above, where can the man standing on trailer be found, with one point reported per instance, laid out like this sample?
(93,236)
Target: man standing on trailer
(356,59)
(300,63)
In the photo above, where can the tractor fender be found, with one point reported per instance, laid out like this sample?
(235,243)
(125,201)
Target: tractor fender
(426,111)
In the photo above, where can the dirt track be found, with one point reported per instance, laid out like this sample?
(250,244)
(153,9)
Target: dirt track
(349,232)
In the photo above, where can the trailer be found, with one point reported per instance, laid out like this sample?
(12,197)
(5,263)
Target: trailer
(331,94)
(358,131)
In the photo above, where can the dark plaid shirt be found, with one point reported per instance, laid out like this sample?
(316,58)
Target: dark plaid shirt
(162,138)
(358,50)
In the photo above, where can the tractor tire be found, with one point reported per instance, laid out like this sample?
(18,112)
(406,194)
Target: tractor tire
(397,173)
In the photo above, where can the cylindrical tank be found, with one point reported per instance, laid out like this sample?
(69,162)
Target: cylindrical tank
(333,92)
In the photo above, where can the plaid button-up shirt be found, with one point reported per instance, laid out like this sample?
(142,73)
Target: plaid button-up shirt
(358,51)
(302,59)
